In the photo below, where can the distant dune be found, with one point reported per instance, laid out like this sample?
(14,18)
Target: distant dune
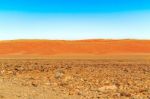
(60,47)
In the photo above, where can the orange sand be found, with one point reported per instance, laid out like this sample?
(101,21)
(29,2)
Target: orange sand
(93,47)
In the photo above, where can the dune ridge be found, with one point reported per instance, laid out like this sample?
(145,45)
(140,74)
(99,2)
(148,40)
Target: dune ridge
(58,47)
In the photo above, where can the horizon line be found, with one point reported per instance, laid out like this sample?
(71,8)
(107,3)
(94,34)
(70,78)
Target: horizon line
(72,39)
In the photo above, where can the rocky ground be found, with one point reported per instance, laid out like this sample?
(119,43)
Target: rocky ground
(75,78)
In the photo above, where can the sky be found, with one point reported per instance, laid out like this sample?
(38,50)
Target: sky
(74,19)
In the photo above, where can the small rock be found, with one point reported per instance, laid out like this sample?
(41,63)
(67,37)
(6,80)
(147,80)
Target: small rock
(68,78)
(34,84)
(10,72)
(2,72)
(107,88)
(48,83)
(59,74)
(125,94)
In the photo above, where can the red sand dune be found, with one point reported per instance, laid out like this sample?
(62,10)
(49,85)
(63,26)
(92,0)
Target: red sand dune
(93,47)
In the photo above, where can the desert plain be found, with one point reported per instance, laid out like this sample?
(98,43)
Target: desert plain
(86,69)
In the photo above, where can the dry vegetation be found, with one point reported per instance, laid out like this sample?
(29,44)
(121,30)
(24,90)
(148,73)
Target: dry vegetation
(104,78)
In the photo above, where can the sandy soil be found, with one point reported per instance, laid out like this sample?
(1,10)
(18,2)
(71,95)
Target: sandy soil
(58,47)
(99,78)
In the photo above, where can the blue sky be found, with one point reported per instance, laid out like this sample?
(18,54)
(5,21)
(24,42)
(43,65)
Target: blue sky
(74,19)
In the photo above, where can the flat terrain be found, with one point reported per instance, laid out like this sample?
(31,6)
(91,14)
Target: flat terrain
(96,78)
(83,69)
